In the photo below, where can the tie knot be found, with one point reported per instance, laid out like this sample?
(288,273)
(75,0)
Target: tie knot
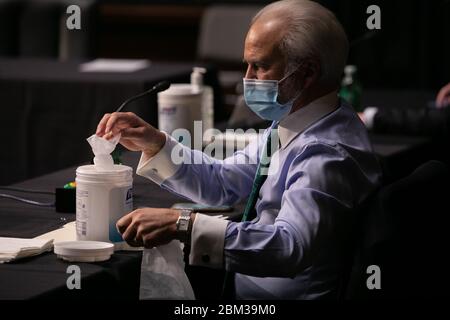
(272,144)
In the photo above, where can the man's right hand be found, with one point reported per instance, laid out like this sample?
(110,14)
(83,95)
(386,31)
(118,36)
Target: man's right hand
(137,135)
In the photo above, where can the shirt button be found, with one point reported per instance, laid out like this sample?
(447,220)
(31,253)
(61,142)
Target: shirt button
(205,258)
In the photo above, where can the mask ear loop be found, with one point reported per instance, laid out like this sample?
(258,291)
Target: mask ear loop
(292,72)
(287,76)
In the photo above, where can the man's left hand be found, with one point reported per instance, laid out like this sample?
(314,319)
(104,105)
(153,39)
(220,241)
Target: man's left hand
(149,227)
(443,97)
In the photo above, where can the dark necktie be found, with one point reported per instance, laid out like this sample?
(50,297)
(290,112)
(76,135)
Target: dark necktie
(250,210)
(261,173)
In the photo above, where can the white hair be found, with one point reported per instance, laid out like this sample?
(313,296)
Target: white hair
(311,31)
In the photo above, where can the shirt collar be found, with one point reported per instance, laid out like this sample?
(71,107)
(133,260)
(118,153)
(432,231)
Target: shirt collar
(304,117)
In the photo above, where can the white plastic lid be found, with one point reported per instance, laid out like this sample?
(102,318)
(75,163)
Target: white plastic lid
(84,251)
(179,90)
(118,169)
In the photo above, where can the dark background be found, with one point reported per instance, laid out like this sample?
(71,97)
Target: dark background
(411,50)
(48,109)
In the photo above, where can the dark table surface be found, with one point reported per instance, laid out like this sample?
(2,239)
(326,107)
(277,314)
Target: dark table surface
(400,155)
(45,276)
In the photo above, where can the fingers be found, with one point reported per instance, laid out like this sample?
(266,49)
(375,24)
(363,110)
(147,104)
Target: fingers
(109,135)
(443,101)
(130,235)
(446,102)
(443,96)
(128,229)
(132,227)
(113,123)
(102,124)
(155,238)
(148,226)
(123,223)
(120,118)
(133,132)
(440,99)
(361,116)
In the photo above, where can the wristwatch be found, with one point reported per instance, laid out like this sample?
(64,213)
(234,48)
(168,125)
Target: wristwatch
(184,226)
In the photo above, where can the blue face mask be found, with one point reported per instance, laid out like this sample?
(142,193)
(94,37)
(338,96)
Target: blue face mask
(261,97)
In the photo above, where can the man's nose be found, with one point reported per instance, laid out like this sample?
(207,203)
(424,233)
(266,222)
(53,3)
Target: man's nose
(250,73)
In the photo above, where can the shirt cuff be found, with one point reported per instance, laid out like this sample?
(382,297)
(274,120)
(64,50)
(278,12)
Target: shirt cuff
(159,167)
(207,241)
(369,116)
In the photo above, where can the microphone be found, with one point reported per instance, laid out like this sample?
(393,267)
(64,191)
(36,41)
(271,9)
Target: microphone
(160,86)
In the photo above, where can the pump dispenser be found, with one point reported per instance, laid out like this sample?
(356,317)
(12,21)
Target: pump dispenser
(351,89)
(207,97)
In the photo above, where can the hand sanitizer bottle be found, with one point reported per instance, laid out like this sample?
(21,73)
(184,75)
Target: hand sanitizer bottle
(207,97)
(351,89)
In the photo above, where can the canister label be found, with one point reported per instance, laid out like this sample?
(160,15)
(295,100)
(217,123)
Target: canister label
(82,212)
(122,204)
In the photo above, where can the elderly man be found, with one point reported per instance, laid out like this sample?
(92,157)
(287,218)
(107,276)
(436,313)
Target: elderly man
(300,210)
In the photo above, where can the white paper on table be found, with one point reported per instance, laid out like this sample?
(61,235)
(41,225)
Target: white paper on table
(66,233)
(114,65)
(163,275)
(15,248)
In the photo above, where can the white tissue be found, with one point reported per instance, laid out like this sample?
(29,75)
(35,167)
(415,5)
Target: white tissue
(102,149)
(162,274)
(15,248)
(104,161)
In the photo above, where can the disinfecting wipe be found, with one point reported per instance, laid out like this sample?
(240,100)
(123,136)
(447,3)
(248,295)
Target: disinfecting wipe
(104,194)
(102,149)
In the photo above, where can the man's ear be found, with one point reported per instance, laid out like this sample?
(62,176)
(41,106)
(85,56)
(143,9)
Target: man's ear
(309,73)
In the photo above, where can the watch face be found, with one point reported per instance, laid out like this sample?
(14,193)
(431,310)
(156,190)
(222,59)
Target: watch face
(183,221)
(184,225)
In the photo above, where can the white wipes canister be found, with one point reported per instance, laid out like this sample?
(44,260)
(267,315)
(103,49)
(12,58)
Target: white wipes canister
(179,107)
(102,198)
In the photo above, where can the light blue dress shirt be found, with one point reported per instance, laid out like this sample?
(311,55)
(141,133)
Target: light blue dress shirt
(295,247)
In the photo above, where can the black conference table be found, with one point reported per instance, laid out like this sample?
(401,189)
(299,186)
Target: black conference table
(44,276)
